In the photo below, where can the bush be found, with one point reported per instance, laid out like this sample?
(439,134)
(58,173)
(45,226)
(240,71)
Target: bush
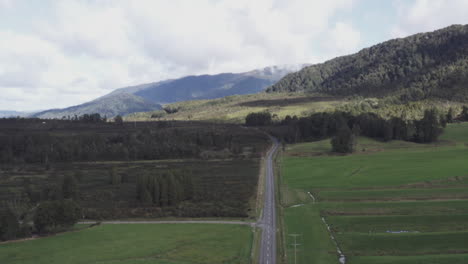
(9,226)
(258,119)
(344,141)
(54,216)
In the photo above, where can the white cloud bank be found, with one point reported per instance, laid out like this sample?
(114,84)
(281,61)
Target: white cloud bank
(428,15)
(71,51)
(78,50)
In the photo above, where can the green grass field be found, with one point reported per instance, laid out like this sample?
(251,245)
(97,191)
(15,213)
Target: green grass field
(137,243)
(370,197)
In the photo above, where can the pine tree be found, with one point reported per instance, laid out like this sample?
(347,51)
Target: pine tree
(173,190)
(114,177)
(388,131)
(156,191)
(164,191)
(428,129)
(69,187)
(344,141)
(146,197)
(450,115)
(9,225)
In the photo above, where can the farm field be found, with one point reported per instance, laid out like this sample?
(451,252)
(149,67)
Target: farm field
(394,202)
(137,243)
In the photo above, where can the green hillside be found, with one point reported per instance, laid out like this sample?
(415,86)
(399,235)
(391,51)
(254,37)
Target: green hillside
(422,66)
(236,108)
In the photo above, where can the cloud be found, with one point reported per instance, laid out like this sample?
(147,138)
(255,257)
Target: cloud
(78,50)
(343,38)
(428,15)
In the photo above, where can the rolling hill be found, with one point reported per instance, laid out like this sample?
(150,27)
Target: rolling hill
(422,66)
(150,96)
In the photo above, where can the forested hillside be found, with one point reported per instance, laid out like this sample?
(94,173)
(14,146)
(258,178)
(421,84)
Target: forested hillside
(422,66)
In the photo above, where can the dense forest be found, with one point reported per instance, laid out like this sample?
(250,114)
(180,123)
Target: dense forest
(422,66)
(46,141)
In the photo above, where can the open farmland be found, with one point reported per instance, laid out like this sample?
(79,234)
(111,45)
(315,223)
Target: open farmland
(395,202)
(137,243)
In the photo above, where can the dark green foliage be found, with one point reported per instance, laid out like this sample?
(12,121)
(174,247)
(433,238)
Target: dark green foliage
(167,188)
(9,225)
(164,189)
(53,216)
(429,65)
(344,141)
(258,119)
(114,177)
(52,142)
(170,109)
(464,114)
(118,120)
(450,115)
(323,125)
(198,184)
(156,191)
(429,128)
(145,197)
(69,187)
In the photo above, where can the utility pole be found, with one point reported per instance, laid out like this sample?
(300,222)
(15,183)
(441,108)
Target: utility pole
(295,244)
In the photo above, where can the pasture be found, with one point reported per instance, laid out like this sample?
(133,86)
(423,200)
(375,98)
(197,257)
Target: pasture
(137,243)
(390,202)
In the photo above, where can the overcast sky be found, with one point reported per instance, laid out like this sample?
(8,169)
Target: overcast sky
(60,53)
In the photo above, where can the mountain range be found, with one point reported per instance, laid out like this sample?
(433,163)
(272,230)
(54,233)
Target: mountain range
(150,96)
(8,113)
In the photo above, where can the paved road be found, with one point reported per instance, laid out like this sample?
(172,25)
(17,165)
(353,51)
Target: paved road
(268,220)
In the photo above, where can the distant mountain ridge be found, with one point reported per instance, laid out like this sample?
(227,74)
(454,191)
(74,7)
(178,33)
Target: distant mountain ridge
(421,66)
(150,96)
(111,106)
(9,113)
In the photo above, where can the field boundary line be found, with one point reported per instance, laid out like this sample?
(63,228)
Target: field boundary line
(342,257)
(169,222)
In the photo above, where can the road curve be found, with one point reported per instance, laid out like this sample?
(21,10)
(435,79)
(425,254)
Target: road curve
(268,220)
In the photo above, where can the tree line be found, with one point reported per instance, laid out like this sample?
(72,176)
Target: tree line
(142,144)
(343,128)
